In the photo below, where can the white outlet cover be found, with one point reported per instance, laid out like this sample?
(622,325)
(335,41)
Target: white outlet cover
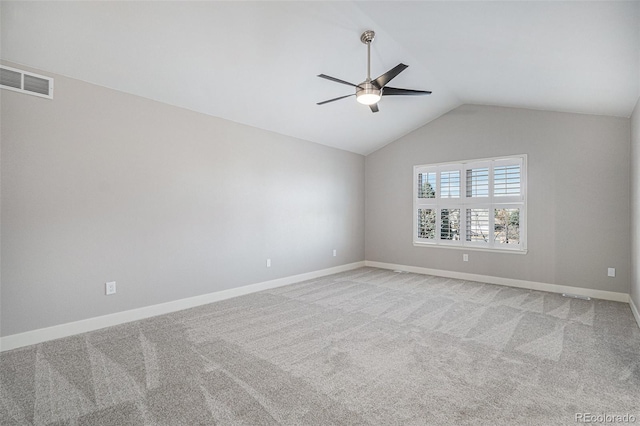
(110,288)
(611,272)
(268,263)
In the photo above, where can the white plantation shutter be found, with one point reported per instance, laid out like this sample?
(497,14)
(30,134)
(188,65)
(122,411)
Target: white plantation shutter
(477,204)
(450,184)
(449,224)
(478,229)
(427,185)
(506,228)
(477,180)
(506,180)
(427,223)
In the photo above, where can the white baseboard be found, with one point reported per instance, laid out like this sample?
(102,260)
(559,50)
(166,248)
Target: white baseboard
(64,330)
(90,324)
(531,285)
(634,309)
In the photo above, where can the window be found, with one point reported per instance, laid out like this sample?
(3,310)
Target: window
(479,204)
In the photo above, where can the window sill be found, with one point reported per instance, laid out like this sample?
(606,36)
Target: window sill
(471,248)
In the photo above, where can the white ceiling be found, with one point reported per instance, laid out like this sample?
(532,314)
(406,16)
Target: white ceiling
(256,62)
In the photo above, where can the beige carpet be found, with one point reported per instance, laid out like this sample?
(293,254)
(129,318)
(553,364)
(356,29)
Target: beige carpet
(368,346)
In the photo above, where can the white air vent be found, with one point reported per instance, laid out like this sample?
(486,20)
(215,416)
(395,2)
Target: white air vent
(26,82)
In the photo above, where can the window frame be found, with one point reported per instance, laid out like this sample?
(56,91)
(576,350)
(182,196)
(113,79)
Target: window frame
(465,202)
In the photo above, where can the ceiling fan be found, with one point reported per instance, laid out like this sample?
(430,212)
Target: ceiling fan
(370,91)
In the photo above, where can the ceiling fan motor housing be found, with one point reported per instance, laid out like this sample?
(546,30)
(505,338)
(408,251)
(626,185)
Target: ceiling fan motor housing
(367,93)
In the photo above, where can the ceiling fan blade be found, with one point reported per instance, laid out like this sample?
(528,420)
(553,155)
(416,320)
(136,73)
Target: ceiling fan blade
(390,91)
(389,75)
(334,99)
(337,80)
(374,108)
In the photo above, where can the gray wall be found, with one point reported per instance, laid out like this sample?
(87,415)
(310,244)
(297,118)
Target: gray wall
(635,203)
(98,185)
(578,187)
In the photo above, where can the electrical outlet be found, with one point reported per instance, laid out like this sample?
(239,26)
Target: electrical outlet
(611,272)
(268,263)
(110,288)
(335,252)
(465,257)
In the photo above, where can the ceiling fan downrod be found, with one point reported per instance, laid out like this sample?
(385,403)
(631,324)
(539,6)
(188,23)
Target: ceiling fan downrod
(367,37)
(368,93)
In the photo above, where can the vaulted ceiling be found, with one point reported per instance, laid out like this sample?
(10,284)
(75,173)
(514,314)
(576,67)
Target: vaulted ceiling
(256,62)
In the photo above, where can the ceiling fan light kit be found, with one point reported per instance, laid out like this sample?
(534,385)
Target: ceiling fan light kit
(369,92)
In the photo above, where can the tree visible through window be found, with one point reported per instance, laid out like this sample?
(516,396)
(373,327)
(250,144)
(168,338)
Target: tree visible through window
(427,223)
(426,185)
(507,226)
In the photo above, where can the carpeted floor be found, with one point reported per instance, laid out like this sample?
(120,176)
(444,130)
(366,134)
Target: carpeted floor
(368,346)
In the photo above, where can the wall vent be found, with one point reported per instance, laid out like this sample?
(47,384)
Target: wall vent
(26,82)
